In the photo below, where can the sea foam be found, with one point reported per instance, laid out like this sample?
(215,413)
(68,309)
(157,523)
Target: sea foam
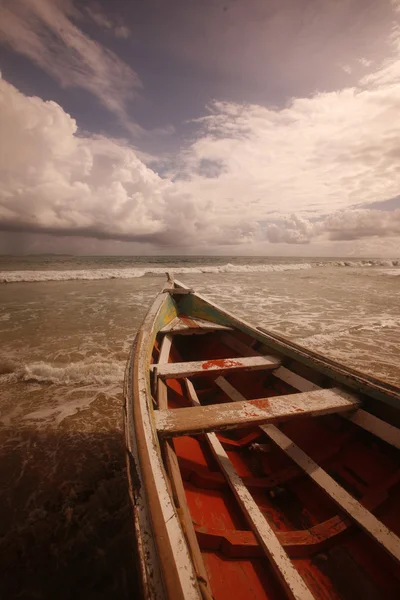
(132,273)
(94,370)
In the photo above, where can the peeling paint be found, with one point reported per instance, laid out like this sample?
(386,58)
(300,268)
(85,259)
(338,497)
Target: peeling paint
(221,363)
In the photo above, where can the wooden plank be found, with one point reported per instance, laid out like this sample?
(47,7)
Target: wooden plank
(287,574)
(229,390)
(235,543)
(298,544)
(165,349)
(171,462)
(179,291)
(209,325)
(371,525)
(363,517)
(386,432)
(218,417)
(221,365)
(238,346)
(170,325)
(296,381)
(179,327)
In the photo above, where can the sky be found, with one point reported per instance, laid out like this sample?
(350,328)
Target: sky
(233,127)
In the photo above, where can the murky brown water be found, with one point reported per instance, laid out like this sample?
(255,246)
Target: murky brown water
(65,526)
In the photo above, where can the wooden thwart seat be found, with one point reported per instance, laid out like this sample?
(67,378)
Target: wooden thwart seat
(222,365)
(371,525)
(362,418)
(185,325)
(217,417)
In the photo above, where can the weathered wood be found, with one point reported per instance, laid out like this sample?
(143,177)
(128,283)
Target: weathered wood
(165,349)
(229,390)
(289,577)
(387,433)
(167,328)
(298,544)
(362,418)
(363,517)
(196,305)
(296,381)
(238,346)
(221,365)
(180,326)
(371,525)
(218,417)
(157,523)
(177,291)
(171,462)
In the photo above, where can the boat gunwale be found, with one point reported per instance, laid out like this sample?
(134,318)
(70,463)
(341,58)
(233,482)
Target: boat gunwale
(150,583)
(160,515)
(357,380)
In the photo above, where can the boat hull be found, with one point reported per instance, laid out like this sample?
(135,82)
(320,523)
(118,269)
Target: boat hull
(173,484)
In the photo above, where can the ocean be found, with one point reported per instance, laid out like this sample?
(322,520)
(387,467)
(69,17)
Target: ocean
(66,327)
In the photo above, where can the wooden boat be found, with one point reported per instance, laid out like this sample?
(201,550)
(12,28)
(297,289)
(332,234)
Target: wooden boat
(257,468)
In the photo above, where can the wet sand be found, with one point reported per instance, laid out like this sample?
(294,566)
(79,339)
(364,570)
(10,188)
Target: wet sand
(66,529)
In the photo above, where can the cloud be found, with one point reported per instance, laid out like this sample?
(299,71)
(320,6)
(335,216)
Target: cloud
(290,230)
(121,31)
(389,204)
(57,181)
(356,224)
(316,171)
(95,13)
(45,32)
(317,156)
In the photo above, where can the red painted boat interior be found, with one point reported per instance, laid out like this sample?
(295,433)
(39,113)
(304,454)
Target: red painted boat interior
(333,555)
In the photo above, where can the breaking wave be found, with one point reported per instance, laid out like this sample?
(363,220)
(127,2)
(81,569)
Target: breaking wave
(132,273)
(95,370)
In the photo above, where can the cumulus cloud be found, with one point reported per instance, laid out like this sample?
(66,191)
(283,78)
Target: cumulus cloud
(356,224)
(319,156)
(55,180)
(45,32)
(290,230)
(58,181)
(318,170)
